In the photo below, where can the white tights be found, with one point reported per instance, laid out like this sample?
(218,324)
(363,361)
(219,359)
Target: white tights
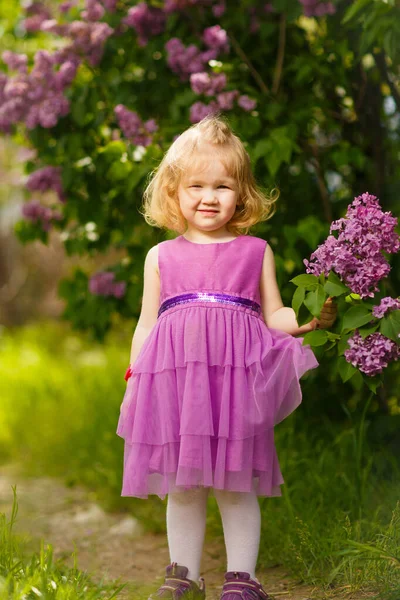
(186,524)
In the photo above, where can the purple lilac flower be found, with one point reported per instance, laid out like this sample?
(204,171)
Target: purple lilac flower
(36,98)
(247,103)
(36,12)
(15,62)
(103,284)
(171,6)
(387,304)
(45,179)
(209,85)
(225,100)
(94,11)
(219,9)
(356,255)
(67,5)
(133,127)
(34,211)
(199,110)
(371,354)
(110,5)
(146,20)
(216,38)
(316,8)
(187,60)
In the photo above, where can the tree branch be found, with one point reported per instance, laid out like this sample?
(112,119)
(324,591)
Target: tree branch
(250,65)
(280,55)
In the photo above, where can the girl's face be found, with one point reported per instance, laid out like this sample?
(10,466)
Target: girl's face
(210,189)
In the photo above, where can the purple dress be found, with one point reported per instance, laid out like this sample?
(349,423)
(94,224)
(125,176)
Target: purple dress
(211,379)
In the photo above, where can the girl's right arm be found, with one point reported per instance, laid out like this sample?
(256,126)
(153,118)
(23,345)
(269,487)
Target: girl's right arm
(150,302)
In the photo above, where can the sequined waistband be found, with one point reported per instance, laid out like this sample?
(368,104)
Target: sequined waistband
(208,297)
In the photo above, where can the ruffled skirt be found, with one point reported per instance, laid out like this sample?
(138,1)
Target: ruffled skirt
(207,389)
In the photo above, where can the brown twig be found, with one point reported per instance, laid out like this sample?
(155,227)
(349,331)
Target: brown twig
(239,51)
(280,55)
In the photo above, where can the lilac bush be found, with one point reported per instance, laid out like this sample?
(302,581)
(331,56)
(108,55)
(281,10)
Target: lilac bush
(371,354)
(356,255)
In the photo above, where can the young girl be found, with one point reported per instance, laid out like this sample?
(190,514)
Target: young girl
(215,362)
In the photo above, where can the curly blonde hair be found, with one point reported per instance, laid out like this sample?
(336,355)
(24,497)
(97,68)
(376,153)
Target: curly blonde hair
(160,198)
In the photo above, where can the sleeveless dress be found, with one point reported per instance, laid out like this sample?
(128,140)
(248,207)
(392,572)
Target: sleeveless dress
(211,379)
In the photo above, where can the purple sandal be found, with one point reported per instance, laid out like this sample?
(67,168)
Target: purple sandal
(239,586)
(177,585)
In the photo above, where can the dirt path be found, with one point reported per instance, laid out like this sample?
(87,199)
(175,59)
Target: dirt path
(113,546)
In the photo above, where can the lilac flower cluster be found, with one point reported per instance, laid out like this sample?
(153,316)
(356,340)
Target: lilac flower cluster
(45,179)
(316,8)
(371,354)
(146,20)
(35,98)
(94,10)
(225,101)
(187,60)
(386,305)
(218,8)
(104,284)
(133,128)
(36,13)
(356,255)
(87,40)
(34,211)
(209,85)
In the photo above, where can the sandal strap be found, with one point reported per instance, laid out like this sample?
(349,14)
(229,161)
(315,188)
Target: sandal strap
(231,587)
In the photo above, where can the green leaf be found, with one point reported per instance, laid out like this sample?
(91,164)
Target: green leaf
(346,369)
(354,9)
(355,317)
(343,345)
(335,287)
(115,148)
(298,299)
(364,331)
(316,338)
(308,281)
(373,382)
(119,170)
(315,300)
(390,326)
(333,336)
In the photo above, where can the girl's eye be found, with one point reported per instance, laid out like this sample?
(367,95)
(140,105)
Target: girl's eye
(197,185)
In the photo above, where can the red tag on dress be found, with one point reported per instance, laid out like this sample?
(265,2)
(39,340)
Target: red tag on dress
(128,373)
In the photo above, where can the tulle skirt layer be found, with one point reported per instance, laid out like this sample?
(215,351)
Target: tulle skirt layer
(207,389)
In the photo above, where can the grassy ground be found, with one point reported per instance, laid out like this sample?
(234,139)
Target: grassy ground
(337,523)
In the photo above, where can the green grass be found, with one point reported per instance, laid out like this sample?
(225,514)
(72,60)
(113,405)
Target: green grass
(37,575)
(336,525)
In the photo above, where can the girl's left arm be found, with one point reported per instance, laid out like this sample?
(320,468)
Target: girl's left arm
(278,316)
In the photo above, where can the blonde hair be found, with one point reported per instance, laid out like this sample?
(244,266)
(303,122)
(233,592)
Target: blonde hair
(160,198)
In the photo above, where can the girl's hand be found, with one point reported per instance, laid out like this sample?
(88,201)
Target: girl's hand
(327,317)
